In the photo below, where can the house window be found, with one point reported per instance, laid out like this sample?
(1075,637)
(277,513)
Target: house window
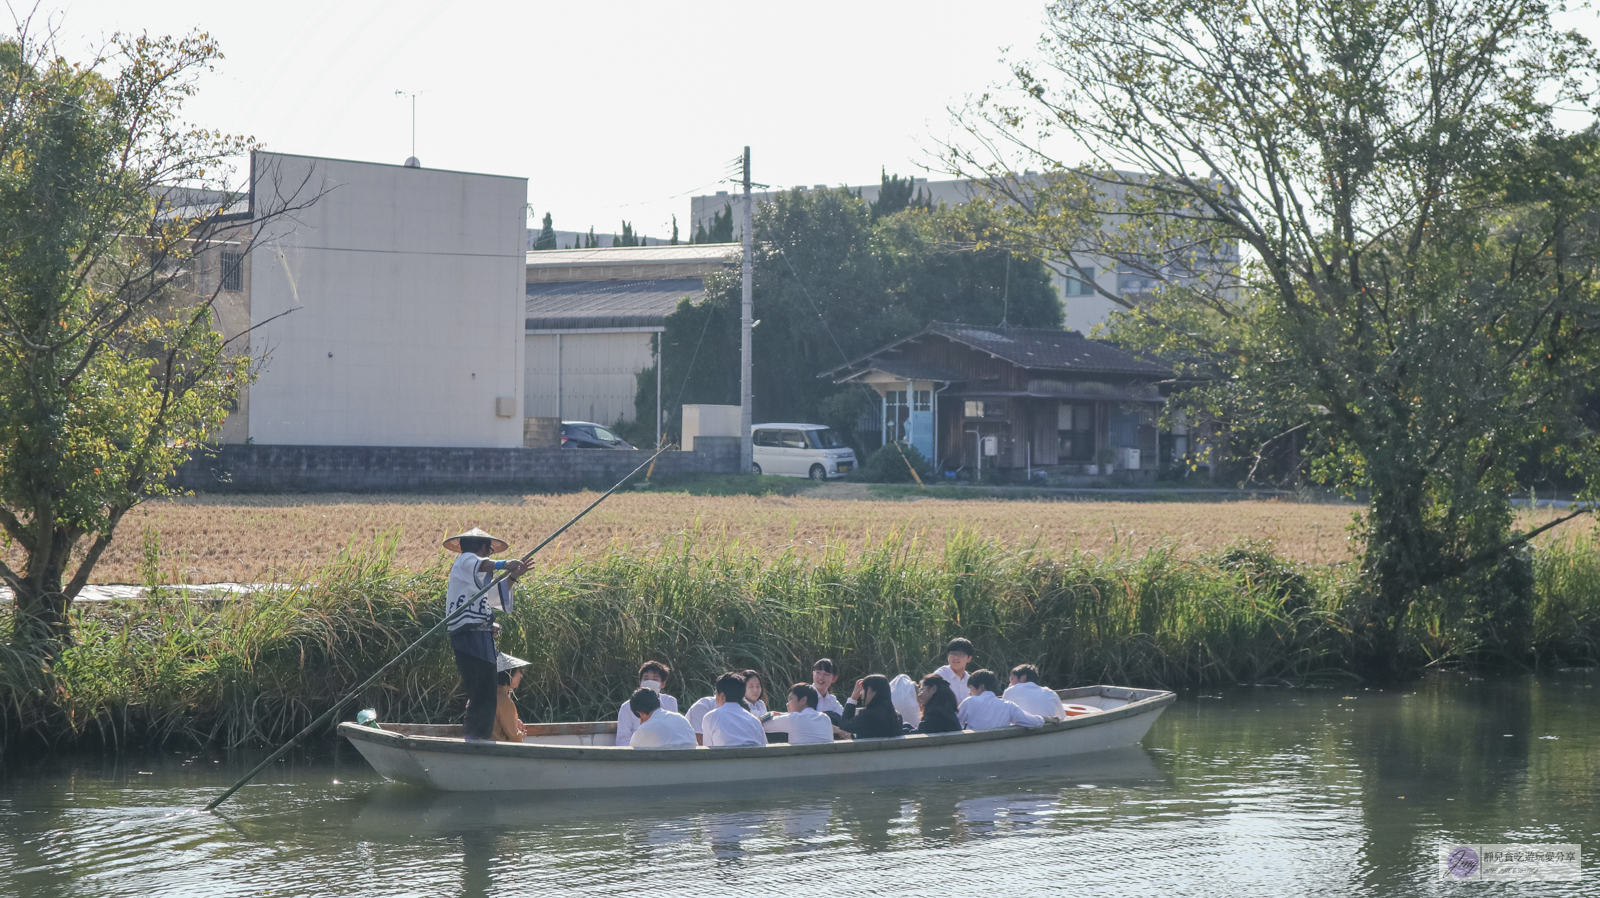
(1082,283)
(924,401)
(895,415)
(232,271)
(985,408)
(1075,431)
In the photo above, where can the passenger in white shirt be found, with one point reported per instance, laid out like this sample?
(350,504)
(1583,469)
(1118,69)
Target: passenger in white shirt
(983,710)
(804,723)
(652,675)
(753,693)
(823,676)
(658,727)
(697,715)
(959,654)
(729,724)
(1026,693)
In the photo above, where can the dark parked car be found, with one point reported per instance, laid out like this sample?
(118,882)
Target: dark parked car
(584,435)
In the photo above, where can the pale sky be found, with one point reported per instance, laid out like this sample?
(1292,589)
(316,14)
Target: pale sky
(611,110)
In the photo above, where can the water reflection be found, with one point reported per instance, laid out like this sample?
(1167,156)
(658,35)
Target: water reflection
(1266,792)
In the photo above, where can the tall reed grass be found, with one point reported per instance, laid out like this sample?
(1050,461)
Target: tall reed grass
(255,668)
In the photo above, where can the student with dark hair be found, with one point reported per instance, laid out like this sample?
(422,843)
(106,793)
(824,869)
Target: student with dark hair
(652,675)
(983,710)
(1026,693)
(730,723)
(938,706)
(876,716)
(753,693)
(957,654)
(823,676)
(658,727)
(804,724)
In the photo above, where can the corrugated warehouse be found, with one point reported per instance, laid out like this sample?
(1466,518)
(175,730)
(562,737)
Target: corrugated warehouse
(591,314)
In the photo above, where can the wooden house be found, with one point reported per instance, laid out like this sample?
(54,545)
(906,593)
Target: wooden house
(1032,398)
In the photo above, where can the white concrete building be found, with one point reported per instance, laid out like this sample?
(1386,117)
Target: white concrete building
(389,312)
(591,317)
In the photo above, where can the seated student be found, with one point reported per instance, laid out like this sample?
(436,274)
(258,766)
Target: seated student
(875,717)
(753,693)
(652,675)
(1026,693)
(804,723)
(983,710)
(938,706)
(730,724)
(658,727)
(958,654)
(508,676)
(697,715)
(823,676)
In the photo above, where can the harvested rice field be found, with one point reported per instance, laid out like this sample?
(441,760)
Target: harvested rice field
(259,538)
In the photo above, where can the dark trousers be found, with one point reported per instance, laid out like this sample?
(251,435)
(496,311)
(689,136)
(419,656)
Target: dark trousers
(478,676)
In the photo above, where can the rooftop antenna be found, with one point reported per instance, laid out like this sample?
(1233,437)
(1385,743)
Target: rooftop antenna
(411,161)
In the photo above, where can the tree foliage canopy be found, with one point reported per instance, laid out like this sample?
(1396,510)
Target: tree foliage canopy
(1417,292)
(831,284)
(111,369)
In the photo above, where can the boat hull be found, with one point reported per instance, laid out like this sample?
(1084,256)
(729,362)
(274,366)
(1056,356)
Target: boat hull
(452,765)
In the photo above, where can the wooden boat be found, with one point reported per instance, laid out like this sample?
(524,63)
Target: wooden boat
(581,756)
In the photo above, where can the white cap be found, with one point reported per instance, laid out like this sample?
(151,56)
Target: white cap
(508,662)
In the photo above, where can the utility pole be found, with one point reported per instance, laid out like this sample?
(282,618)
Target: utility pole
(746,388)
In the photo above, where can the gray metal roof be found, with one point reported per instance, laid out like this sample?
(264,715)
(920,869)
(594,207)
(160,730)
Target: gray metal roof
(633,255)
(907,369)
(1049,350)
(569,305)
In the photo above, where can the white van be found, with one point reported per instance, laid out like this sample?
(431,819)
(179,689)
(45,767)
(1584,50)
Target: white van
(800,450)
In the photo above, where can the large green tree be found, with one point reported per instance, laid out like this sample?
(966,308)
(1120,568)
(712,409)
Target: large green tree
(1416,295)
(832,284)
(111,369)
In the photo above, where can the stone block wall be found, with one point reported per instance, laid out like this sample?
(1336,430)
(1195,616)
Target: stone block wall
(250,468)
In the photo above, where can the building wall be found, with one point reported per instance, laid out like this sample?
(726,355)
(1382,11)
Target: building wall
(258,468)
(597,381)
(401,296)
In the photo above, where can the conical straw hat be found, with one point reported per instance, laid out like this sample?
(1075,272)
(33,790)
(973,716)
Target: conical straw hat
(496,544)
(504,662)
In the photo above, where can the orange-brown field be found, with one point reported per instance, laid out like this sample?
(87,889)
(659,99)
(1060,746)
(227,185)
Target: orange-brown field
(255,538)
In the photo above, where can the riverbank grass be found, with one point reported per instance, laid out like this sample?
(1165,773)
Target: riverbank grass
(254,668)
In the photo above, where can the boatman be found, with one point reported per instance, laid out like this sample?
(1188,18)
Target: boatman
(472,631)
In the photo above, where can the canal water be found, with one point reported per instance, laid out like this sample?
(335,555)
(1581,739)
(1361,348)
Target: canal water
(1252,791)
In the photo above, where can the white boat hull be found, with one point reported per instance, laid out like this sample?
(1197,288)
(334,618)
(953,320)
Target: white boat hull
(581,759)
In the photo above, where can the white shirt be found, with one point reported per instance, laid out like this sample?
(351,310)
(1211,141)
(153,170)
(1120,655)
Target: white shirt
(804,727)
(958,685)
(826,702)
(664,729)
(628,722)
(731,725)
(697,712)
(1036,699)
(987,711)
(465,581)
(757,707)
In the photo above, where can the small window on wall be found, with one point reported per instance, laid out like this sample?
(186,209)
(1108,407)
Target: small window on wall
(1082,284)
(985,408)
(232,271)
(924,401)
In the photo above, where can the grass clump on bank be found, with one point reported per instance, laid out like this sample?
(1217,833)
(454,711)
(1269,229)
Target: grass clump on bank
(256,668)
